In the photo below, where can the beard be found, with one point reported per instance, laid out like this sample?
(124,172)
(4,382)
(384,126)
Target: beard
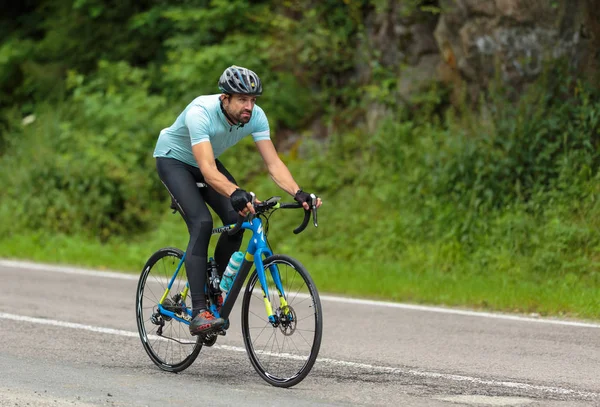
(244,116)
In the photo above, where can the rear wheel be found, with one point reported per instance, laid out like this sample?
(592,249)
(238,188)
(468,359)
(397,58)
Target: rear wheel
(284,350)
(166,340)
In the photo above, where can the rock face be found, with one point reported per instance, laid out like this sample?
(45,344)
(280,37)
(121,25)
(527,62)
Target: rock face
(471,42)
(479,39)
(405,40)
(402,40)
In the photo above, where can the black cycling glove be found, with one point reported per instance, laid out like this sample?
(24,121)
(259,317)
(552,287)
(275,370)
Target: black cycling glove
(239,198)
(302,197)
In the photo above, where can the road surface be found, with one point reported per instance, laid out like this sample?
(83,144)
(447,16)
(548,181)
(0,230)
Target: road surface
(68,338)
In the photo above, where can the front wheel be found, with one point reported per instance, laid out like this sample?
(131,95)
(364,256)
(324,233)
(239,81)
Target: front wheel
(282,349)
(166,340)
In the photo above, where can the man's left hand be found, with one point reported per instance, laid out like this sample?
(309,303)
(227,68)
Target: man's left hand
(306,200)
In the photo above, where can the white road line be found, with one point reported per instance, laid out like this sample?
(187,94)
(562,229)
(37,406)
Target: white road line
(64,324)
(354,365)
(353,301)
(461,312)
(67,270)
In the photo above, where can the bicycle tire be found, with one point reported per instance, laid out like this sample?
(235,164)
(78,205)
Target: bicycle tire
(163,349)
(265,343)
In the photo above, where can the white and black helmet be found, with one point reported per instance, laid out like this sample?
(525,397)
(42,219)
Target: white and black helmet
(237,79)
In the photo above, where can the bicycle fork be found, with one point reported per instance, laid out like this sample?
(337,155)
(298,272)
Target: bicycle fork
(274,318)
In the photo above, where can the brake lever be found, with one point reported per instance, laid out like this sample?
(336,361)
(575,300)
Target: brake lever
(313,207)
(251,215)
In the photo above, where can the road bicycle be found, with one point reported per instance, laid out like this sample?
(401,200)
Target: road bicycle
(281,315)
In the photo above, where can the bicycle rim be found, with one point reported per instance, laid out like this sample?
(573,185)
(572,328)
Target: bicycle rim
(284,354)
(166,340)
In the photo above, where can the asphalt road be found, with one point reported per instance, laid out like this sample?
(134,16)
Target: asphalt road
(68,337)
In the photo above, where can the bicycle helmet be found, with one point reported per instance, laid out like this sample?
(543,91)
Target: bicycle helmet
(237,79)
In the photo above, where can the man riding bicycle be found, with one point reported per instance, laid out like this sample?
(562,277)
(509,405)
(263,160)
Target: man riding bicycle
(187,153)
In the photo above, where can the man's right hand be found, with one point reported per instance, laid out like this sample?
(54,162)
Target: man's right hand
(241,201)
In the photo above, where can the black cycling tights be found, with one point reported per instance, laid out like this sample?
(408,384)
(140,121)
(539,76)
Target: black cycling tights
(180,180)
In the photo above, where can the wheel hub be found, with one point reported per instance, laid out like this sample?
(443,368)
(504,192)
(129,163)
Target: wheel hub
(287,320)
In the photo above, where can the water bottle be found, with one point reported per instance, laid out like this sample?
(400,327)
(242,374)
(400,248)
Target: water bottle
(230,272)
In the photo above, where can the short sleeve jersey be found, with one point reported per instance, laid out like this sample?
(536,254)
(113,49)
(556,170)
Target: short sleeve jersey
(203,121)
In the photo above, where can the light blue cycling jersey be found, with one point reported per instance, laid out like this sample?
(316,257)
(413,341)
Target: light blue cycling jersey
(202,120)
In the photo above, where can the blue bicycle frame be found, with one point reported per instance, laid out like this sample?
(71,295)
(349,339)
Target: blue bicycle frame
(257,248)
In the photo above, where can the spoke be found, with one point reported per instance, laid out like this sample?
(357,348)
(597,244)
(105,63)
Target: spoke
(156,343)
(303,318)
(305,330)
(294,343)
(154,298)
(258,295)
(175,345)
(291,345)
(302,336)
(275,342)
(286,351)
(295,304)
(291,283)
(261,332)
(168,347)
(261,318)
(263,351)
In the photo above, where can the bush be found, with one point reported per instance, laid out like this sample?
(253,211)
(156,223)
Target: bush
(524,148)
(87,166)
(418,181)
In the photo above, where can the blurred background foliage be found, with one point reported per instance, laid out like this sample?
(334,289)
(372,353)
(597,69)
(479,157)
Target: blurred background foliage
(506,185)
(101,78)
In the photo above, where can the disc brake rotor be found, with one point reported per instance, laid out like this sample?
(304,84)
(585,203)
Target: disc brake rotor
(287,320)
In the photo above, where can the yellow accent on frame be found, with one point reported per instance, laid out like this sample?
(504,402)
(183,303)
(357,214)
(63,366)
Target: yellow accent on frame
(268,306)
(282,301)
(284,305)
(249,257)
(164,296)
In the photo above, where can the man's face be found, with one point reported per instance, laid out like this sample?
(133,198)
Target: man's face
(239,107)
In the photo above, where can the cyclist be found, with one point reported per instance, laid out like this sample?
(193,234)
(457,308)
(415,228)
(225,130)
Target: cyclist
(187,153)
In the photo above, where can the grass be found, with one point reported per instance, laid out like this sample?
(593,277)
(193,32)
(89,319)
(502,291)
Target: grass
(434,273)
(386,234)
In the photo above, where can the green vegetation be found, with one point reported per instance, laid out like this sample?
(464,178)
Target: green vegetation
(493,206)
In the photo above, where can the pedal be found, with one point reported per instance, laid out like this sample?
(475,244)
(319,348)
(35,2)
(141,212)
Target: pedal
(208,335)
(210,339)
